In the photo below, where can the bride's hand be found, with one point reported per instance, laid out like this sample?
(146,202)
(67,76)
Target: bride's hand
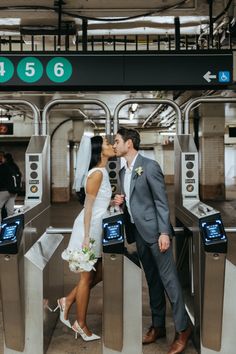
(86,242)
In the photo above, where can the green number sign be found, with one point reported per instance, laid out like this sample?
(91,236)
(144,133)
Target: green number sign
(30,69)
(6,69)
(59,69)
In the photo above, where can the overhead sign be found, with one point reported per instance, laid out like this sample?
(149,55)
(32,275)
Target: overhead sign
(113,71)
(223,76)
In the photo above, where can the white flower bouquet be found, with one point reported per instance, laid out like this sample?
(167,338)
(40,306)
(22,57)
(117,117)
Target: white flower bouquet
(83,259)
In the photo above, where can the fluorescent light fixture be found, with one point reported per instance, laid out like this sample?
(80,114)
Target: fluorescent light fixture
(4,119)
(9,21)
(148,25)
(167,133)
(7,33)
(134,107)
(132,110)
(156,19)
(88,133)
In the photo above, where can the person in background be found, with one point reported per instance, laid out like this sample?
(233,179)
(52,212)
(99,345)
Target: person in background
(7,200)
(11,163)
(147,218)
(92,175)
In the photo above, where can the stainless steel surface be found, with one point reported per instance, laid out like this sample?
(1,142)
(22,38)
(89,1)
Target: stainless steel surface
(49,105)
(36,112)
(132,308)
(231,254)
(147,101)
(58,230)
(213,297)
(36,216)
(12,291)
(122,301)
(67,230)
(203,292)
(38,188)
(196,101)
(183,144)
(196,287)
(13,281)
(191,264)
(43,284)
(113,303)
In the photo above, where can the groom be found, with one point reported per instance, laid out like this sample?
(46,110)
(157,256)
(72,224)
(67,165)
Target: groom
(146,214)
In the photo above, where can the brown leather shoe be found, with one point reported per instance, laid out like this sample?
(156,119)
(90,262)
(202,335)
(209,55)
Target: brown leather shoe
(153,334)
(180,342)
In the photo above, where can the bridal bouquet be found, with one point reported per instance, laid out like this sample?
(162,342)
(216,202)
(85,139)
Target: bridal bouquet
(83,259)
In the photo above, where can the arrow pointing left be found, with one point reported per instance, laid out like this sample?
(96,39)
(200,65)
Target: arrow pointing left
(208,76)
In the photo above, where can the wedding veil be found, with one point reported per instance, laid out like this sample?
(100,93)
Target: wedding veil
(82,162)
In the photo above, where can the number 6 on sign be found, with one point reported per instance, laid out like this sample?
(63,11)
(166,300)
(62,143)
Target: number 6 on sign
(59,69)
(6,69)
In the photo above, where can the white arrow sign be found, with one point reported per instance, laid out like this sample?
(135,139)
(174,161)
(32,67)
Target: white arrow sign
(208,76)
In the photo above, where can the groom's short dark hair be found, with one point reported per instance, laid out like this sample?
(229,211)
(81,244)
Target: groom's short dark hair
(130,134)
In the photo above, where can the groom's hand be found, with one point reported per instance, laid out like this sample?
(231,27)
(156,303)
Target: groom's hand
(119,199)
(164,242)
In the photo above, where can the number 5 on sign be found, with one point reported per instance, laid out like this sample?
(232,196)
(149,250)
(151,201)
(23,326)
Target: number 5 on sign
(59,69)
(6,69)
(30,69)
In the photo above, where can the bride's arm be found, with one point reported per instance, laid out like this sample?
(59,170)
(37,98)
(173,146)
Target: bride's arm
(92,186)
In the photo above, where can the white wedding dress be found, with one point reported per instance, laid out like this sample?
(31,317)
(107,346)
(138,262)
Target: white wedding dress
(99,211)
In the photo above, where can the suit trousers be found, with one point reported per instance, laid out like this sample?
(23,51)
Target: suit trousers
(161,274)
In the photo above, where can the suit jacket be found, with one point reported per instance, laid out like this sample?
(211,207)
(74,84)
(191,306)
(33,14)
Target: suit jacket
(148,201)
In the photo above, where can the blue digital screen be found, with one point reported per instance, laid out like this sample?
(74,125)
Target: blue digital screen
(213,231)
(113,232)
(8,232)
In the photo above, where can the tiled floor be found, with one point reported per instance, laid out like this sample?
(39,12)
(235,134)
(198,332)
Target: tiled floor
(63,341)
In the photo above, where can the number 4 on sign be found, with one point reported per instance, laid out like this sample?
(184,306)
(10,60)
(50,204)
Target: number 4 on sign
(2,71)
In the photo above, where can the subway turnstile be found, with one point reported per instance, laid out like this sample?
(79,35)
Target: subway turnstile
(122,293)
(18,234)
(12,282)
(200,251)
(44,274)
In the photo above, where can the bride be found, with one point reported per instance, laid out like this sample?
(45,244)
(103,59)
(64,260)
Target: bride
(92,174)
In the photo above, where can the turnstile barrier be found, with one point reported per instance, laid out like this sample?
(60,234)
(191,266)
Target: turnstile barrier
(122,311)
(44,278)
(12,282)
(201,252)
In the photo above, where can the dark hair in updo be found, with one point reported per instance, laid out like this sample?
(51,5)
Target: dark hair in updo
(96,146)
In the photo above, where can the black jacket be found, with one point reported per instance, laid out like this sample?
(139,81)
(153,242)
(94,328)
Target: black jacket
(5,175)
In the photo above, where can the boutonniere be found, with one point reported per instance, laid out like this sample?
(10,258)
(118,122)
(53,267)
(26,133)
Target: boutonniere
(139,170)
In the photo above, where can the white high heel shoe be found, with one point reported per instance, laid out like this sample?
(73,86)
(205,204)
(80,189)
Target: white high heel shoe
(61,304)
(78,330)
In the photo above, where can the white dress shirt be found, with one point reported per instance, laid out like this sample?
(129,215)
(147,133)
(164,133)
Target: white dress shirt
(127,182)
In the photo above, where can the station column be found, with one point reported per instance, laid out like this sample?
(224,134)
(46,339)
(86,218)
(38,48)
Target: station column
(211,149)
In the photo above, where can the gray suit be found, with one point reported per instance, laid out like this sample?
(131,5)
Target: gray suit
(150,212)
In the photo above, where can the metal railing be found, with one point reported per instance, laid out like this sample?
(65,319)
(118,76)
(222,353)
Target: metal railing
(67,230)
(112,43)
